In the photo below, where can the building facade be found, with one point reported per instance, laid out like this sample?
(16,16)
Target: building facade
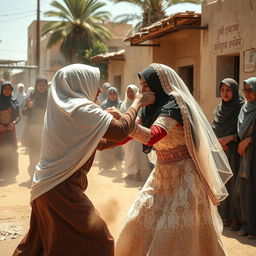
(203,48)
(52,60)
(227,47)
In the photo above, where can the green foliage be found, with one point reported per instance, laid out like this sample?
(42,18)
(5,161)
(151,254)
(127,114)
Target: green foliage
(152,11)
(80,25)
(86,56)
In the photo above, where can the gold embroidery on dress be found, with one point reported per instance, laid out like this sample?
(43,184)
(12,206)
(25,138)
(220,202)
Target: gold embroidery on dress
(141,134)
(171,215)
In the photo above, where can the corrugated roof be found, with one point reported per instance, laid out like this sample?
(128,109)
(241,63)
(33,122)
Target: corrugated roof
(175,22)
(119,55)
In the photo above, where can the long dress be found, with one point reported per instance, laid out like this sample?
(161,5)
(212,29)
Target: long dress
(35,121)
(245,187)
(64,210)
(135,159)
(20,127)
(172,214)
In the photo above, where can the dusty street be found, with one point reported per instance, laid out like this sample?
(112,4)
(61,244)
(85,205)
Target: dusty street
(110,194)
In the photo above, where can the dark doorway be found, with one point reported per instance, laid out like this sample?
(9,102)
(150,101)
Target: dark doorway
(227,67)
(187,75)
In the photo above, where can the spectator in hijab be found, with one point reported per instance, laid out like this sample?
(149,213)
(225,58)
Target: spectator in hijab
(34,109)
(246,178)
(104,91)
(9,117)
(225,127)
(134,159)
(21,98)
(112,157)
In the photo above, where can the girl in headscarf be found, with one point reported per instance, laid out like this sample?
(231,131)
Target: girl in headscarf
(9,117)
(34,109)
(21,98)
(30,90)
(246,178)
(175,212)
(63,220)
(134,158)
(104,91)
(112,157)
(225,127)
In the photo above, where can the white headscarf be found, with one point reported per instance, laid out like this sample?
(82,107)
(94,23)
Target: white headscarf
(30,90)
(73,126)
(21,97)
(203,145)
(205,150)
(127,102)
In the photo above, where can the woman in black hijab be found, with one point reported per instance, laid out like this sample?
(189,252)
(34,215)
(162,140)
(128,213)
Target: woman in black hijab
(225,127)
(164,105)
(9,116)
(35,109)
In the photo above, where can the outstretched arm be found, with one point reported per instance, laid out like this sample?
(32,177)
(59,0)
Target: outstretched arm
(158,130)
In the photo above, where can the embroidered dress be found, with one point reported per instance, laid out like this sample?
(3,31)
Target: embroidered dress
(171,215)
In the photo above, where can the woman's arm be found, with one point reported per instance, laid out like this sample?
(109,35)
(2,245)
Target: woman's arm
(157,131)
(120,129)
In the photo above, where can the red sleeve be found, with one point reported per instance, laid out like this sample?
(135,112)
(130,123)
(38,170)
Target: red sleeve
(124,141)
(157,133)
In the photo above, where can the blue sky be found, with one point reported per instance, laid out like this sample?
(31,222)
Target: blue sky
(16,16)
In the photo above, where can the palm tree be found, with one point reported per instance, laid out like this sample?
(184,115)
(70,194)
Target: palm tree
(80,26)
(152,10)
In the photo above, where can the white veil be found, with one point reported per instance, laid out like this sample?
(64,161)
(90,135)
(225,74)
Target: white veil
(211,162)
(127,102)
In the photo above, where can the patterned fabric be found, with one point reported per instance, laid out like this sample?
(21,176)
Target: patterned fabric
(172,214)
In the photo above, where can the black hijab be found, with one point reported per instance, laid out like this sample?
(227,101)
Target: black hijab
(7,101)
(40,98)
(165,105)
(226,114)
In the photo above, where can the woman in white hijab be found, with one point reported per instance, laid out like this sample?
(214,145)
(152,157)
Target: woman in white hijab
(63,220)
(135,159)
(21,97)
(175,212)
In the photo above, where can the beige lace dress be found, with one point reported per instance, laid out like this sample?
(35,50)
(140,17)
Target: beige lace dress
(171,215)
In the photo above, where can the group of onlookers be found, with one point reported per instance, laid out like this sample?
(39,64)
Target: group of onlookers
(21,122)
(234,123)
(135,161)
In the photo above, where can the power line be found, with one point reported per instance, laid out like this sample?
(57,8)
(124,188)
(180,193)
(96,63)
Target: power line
(14,19)
(5,50)
(17,9)
(17,13)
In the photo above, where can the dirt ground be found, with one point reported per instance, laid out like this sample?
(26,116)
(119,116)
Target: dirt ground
(111,195)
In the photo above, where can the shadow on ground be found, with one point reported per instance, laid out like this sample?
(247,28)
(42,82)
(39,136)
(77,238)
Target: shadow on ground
(241,239)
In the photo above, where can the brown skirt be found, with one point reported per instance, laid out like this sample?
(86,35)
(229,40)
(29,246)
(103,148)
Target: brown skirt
(64,222)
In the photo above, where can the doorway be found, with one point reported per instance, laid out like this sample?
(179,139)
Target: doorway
(187,75)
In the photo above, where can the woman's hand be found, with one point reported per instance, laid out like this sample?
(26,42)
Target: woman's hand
(30,103)
(116,113)
(243,145)
(2,128)
(10,127)
(225,140)
(145,99)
